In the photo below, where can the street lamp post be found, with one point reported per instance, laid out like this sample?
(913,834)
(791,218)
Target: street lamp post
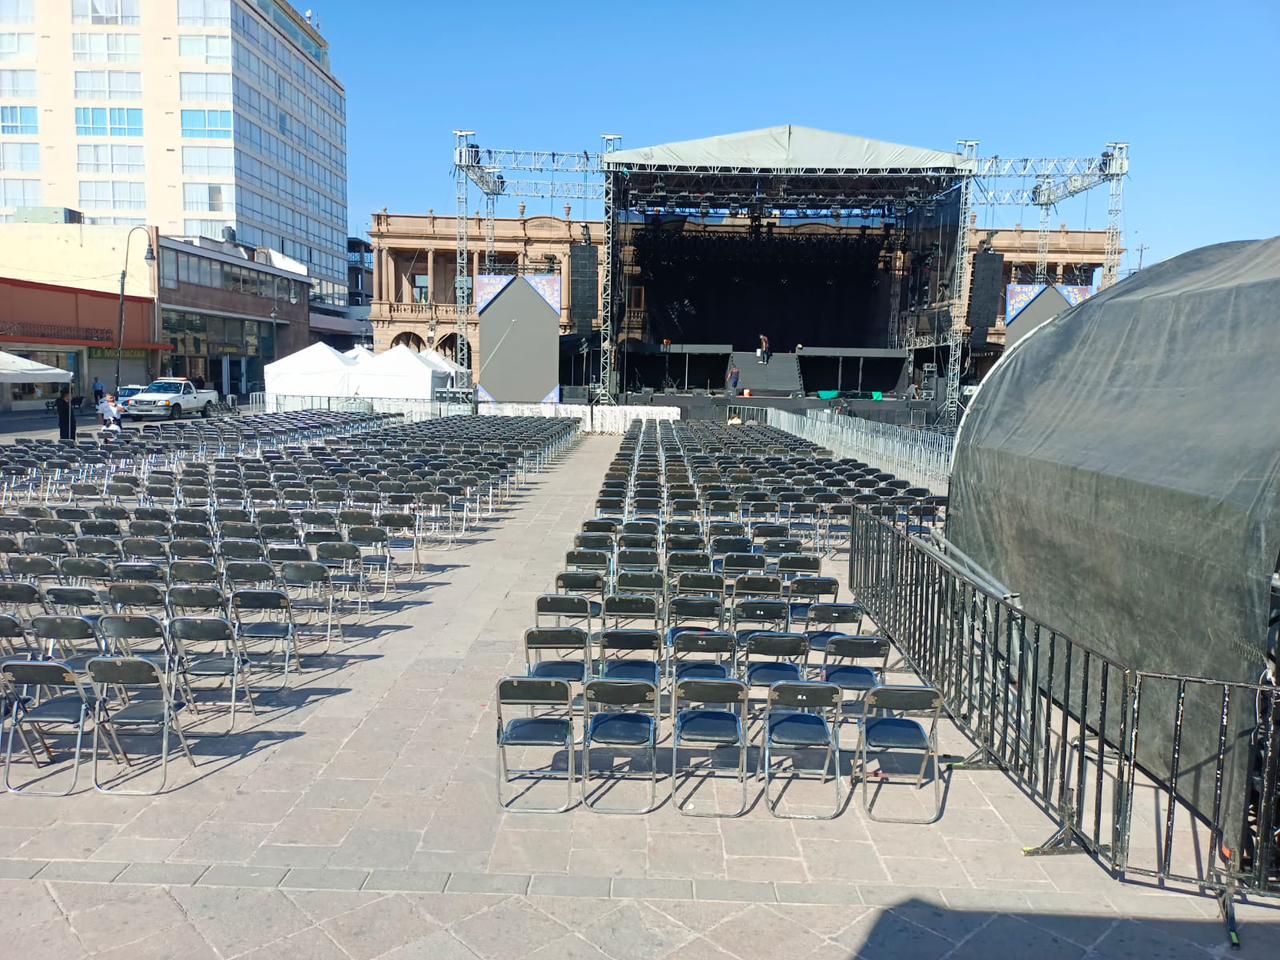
(150,257)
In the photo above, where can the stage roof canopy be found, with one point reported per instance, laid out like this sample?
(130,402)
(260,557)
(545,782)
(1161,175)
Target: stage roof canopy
(787,148)
(783,171)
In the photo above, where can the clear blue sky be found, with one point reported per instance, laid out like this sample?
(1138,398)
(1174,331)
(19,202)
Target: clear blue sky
(1193,87)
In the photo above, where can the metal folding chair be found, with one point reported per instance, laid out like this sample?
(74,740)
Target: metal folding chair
(535,732)
(802,716)
(622,714)
(880,730)
(151,703)
(719,722)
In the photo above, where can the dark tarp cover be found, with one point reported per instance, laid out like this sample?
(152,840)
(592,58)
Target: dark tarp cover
(1119,469)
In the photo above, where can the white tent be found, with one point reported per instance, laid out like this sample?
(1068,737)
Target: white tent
(15,369)
(439,361)
(314,371)
(358,353)
(399,373)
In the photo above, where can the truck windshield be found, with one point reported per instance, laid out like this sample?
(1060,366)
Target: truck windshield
(165,386)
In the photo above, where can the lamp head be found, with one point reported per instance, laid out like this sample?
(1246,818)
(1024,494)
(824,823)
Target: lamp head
(150,255)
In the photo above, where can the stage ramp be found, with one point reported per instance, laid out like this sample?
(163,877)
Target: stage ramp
(780,377)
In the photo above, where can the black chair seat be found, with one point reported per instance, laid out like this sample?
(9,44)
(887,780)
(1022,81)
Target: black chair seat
(622,729)
(644,670)
(799,730)
(142,713)
(702,670)
(538,732)
(896,733)
(851,677)
(708,726)
(767,674)
(57,710)
(213,667)
(559,670)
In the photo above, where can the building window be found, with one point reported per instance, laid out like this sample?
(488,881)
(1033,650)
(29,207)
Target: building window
(209,197)
(125,122)
(204,13)
(205,86)
(20,157)
(17,46)
(108,121)
(17,11)
(106,47)
(122,13)
(213,50)
(207,161)
(18,83)
(214,124)
(112,195)
(18,120)
(20,193)
(108,85)
(108,158)
(206,228)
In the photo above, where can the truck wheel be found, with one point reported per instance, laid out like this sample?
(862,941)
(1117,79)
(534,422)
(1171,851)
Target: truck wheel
(175,412)
(207,410)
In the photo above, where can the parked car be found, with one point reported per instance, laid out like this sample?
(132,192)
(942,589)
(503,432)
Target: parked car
(171,398)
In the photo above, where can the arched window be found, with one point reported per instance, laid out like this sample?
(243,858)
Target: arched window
(409,339)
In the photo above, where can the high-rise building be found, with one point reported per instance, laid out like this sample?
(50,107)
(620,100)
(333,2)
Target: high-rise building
(190,115)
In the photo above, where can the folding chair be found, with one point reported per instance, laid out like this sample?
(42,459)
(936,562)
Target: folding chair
(14,641)
(842,662)
(718,723)
(311,593)
(630,654)
(879,730)
(264,617)
(207,649)
(827,620)
(621,714)
(375,551)
(564,608)
(541,640)
(138,677)
(346,572)
(72,704)
(802,716)
(534,732)
(67,639)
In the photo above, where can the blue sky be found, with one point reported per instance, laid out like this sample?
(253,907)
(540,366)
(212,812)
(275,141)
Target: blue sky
(1193,87)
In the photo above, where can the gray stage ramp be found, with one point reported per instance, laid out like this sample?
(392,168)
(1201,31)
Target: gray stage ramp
(519,346)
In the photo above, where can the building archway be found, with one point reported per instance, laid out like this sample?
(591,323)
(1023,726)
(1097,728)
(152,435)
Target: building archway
(409,339)
(448,346)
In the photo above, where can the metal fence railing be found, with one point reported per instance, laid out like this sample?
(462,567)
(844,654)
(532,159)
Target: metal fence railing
(1100,747)
(919,454)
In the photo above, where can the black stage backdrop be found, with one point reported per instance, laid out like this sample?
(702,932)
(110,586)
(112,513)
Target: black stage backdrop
(818,290)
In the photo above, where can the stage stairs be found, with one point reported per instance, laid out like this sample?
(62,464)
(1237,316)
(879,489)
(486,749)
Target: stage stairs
(780,377)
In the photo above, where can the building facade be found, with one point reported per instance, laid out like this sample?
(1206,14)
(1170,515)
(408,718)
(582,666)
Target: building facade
(359,272)
(190,115)
(415,268)
(226,310)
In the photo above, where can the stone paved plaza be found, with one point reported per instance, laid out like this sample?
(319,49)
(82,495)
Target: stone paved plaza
(355,817)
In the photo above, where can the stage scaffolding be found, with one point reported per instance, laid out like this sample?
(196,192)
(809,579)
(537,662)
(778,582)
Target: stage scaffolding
(889,195)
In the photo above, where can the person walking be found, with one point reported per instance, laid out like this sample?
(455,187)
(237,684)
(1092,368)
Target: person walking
(731,380)
(65,406)
(99,391)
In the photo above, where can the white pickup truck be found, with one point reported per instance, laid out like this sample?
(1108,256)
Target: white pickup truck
(171,397)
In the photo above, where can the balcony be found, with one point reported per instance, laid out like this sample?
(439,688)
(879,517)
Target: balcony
(388,310)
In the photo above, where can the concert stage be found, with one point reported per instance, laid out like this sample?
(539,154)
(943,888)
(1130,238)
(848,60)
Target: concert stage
(839,249)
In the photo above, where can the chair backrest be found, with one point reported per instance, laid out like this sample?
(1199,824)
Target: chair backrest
(579,581)
(196,598)
(534,692)
(620,693)
(303,573)
(135,595)
(903,699)
(127,671)
(125,628)
(693,640)
(827,614)
(249,571)
(42,673)
(631,641)
(54,627)
(192,630)
(711,691)
(556,638)
(243,601)
(562,605)
(842,647)
(774,643)
(804,695)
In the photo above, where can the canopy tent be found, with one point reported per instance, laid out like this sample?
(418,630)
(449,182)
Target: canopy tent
(314,371)
(358,353)
(439,361)
(398,373)
(787,147)
(1119,469)
(15,369)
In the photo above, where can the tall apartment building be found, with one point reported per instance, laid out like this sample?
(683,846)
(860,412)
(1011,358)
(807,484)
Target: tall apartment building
(190,115)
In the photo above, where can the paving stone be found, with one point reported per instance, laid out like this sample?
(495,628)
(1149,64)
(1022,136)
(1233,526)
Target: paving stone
(21,869)
(86,871)
(515,883)
(310,944)
(511,928)
(652,889)
(762,934)
(308,879)
(176,874)
(744,890)
(233,875)
(122,921)
(237,919)
(440,945)
(401,880)
(27,903)
(570,886)
(378,927)
(637,931)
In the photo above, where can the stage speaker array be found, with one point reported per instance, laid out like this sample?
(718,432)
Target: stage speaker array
(984,295)
(584,286)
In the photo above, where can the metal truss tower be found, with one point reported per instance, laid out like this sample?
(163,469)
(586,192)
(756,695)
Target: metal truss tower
(462,279)
(959,291)
(1117,167)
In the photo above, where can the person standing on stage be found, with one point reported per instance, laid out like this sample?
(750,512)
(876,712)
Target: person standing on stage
(764,349)
(731,380)
(66,415)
